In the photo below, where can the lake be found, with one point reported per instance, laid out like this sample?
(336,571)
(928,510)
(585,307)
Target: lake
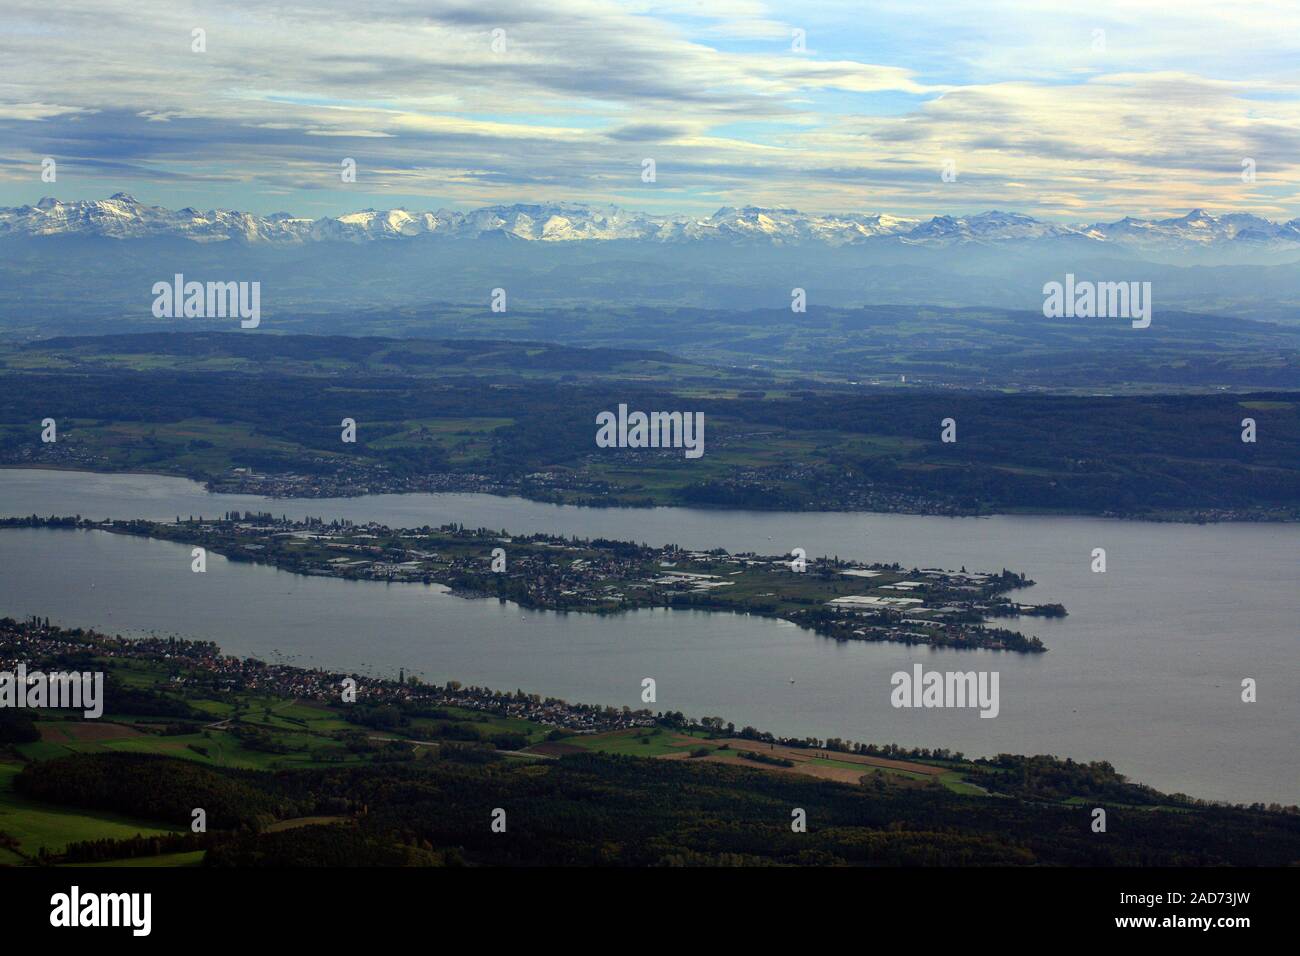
(1144,673)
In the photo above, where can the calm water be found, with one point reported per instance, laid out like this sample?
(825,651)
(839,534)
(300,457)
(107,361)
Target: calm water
(1144,673)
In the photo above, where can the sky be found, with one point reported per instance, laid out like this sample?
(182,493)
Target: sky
(1079,113)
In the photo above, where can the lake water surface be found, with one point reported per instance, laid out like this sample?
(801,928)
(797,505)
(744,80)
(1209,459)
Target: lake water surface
(1145,672)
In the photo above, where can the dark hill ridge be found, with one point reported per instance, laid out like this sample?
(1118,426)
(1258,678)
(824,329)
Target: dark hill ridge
(521,419)
(331,354)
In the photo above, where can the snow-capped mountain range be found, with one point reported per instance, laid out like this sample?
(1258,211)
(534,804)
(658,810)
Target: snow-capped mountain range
(123,217)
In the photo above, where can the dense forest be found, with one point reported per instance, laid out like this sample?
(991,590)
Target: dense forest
(149,786)
(598,809)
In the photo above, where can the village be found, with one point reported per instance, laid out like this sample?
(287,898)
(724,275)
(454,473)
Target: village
(200,665)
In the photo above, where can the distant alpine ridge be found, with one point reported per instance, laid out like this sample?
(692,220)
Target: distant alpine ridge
(122,217)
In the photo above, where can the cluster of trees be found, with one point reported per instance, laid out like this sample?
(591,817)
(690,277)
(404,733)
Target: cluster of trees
(17,727)
(132,848)
(155,788)
(328,846)
(1049,778)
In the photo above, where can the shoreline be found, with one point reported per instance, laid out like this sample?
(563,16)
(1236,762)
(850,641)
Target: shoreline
(320,683)
(206,485)
(1172,774)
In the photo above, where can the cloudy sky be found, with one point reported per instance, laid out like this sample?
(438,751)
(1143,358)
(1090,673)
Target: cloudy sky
(1116,108)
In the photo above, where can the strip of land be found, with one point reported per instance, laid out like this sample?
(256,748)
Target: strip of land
(263,414)
(292,773)
(844,600)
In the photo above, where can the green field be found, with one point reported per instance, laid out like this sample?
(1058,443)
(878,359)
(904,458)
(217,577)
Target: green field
(866,768)
(652,742)
(636,743)
(486,724)
(37,825)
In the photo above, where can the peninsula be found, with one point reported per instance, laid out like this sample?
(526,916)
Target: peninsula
(843,600)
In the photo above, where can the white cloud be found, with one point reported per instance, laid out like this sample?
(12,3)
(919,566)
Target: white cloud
(1014,92)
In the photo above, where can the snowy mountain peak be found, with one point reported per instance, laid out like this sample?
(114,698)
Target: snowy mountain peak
(121,216)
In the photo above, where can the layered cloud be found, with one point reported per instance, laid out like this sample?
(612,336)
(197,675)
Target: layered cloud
(1117,108)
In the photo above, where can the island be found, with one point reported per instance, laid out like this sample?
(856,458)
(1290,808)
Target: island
(838,599)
